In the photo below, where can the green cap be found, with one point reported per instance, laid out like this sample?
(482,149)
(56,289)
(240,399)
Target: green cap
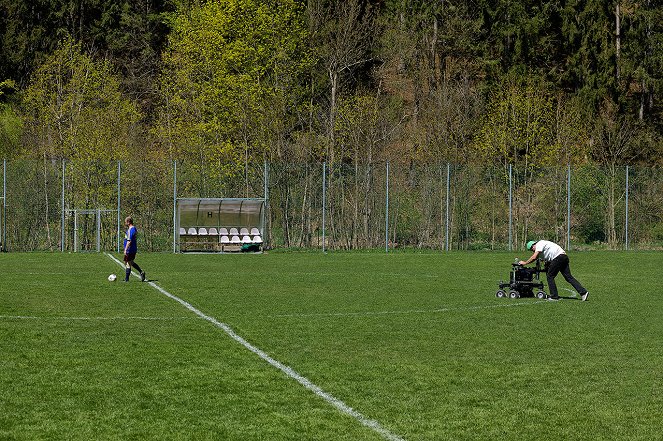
(530,244)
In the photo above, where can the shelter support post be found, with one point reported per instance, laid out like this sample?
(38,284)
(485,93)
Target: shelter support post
(263,232)
(175,225)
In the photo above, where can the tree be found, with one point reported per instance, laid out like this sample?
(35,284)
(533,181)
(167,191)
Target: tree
(234,81)
(589,40)
(517,129)
(342,33)
(11,124)
(642,55)
(613,146)
(129,33)
(430,54)
(74,109)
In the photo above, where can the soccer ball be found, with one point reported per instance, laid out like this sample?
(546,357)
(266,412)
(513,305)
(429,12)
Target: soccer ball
(112,278)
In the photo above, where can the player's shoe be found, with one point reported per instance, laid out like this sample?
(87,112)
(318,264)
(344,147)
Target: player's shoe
(584,296)
(553,299)
(142,276)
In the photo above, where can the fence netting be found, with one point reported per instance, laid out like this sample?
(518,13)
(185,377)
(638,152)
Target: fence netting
(75,206)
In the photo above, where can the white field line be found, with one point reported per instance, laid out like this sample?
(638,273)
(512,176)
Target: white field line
(411,311)
(338,404)
(427,276)
(33,317)
(572,291)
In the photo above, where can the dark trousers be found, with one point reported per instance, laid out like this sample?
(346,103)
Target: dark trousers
(560,264)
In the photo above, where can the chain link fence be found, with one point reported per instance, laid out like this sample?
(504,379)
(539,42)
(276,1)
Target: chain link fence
(75,206)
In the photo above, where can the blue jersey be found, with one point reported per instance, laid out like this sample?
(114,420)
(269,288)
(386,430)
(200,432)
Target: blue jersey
(131,235)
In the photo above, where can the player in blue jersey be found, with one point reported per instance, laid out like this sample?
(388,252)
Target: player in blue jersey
(130,249)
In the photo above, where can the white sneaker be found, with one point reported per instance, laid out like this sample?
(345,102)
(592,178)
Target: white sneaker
(584,296)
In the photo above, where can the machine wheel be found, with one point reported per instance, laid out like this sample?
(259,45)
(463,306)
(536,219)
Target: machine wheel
(514,294)
(500,294)
(541,295)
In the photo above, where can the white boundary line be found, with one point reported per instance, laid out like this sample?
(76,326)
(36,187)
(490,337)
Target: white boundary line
(338,404)
(411,311)
(309,273)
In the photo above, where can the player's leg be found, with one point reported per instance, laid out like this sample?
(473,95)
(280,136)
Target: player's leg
(135,265)
(140,271)
(551,273)
(566,272)
(127,267)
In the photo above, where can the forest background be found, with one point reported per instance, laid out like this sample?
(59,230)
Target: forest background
(522,83)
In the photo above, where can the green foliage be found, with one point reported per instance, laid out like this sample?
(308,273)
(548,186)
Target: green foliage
(591,68)
(74,108)
(130,31)
(642,61)
(11,124)
(235,80)
(518,127)
(232,80)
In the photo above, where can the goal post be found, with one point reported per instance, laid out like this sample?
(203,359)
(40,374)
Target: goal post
(91,230)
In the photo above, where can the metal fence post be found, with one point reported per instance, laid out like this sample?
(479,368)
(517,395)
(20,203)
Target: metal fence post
(324,201)
(175,226)
(626,226)
(386,216)
(62,220)
(98,230)
(119,170)
(446,228)
(75,231)
(568,207)
(4,205)
(510,207)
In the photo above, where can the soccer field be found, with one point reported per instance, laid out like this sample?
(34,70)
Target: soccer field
(400,346)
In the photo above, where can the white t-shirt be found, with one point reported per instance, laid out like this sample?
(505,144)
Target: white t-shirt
(549,249)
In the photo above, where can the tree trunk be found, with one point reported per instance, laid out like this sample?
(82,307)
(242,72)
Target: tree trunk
(333,77)
(618,38)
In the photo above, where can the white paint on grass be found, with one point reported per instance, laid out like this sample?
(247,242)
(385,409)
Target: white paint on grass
(335,275)
(572,291)
(338,404)
(410,311)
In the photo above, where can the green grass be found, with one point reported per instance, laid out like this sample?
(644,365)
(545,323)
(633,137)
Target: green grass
(417,342)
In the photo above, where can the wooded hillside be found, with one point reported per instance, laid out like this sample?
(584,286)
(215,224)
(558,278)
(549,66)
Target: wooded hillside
(522,82)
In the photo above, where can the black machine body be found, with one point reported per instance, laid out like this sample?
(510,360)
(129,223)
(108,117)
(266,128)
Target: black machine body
(523,282)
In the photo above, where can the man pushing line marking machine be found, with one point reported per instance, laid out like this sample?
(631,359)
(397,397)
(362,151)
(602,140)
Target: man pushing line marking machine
(524,280)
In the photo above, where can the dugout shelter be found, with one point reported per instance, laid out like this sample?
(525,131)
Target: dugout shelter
(217,225)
